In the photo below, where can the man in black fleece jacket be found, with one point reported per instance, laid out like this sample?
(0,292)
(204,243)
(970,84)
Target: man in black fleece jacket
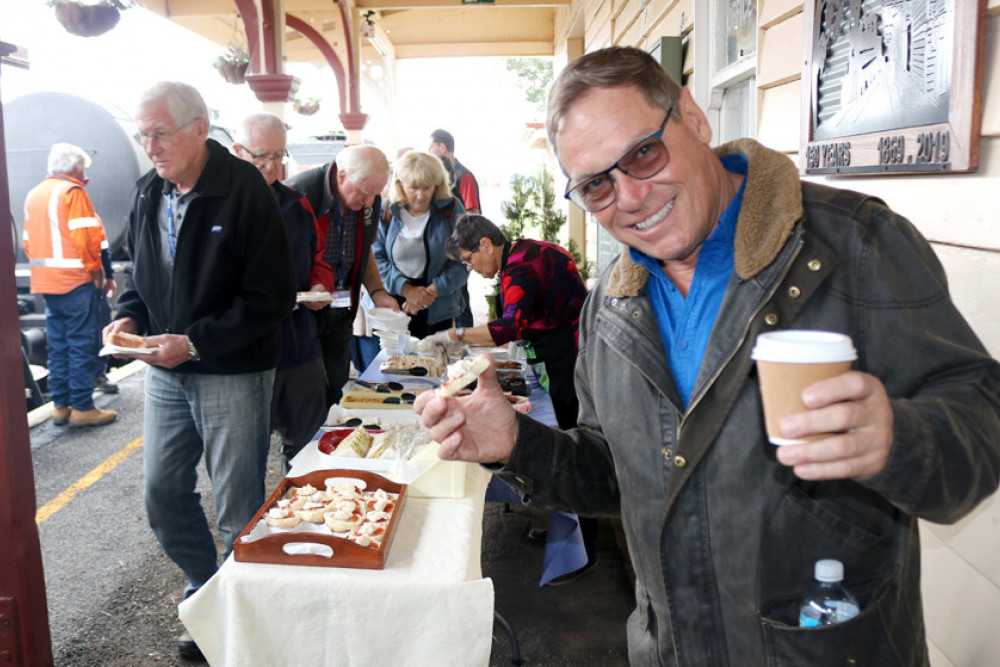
(212,280)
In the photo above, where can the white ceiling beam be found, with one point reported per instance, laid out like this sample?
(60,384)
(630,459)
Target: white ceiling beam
(464,49)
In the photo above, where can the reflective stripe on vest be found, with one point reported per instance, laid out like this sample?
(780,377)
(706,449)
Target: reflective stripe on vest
(58,263)
(82,223)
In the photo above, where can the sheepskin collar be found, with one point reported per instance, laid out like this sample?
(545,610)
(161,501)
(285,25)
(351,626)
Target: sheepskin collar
(772,204)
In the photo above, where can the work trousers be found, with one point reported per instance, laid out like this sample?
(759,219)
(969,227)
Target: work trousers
(70,320)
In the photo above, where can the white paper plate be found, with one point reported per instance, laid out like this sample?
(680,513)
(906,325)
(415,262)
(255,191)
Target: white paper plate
(320,297)
(388,320)
(118,349)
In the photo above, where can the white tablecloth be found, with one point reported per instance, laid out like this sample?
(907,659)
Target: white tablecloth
(430,605)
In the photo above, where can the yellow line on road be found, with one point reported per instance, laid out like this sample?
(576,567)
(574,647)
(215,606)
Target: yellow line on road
(91,477)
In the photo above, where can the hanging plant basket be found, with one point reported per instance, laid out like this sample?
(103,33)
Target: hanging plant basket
(233,72)
(305,108)
(87,20)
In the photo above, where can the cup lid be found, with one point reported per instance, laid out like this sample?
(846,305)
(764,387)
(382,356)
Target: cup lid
(796,346)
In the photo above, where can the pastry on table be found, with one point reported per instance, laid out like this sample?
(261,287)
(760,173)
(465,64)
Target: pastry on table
(368,535)
(347,515)
(355,445)
(282,515)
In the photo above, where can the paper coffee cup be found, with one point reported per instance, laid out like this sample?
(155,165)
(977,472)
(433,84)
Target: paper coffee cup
(788,362)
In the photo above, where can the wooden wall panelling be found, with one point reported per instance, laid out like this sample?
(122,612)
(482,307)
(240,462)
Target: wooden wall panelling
(778,117)
(634,35)
(773,11)
(780,54)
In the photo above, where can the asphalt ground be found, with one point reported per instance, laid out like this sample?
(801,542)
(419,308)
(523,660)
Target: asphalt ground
(113,595)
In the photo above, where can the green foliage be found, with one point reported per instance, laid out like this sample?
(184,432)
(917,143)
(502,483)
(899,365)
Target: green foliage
(235,54)
(550,219)
(585,268)
(533,205)
(534,75)
(520,209)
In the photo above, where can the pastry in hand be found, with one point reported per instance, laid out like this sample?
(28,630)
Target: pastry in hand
(461,374)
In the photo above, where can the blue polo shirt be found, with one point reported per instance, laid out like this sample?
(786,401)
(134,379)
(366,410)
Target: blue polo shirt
(686,324)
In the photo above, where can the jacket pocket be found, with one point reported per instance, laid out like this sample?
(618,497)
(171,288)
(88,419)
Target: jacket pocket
(811,522)
(877,545)
(862,641)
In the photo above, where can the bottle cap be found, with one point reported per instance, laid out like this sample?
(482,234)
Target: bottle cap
(829,570)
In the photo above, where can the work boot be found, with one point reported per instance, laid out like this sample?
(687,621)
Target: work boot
(104,385)
(60,416)
(93,417)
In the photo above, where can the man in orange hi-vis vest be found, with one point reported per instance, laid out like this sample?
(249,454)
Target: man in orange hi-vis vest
(63,237)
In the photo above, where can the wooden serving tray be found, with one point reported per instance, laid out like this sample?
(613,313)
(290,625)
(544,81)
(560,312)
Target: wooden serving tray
(269,549)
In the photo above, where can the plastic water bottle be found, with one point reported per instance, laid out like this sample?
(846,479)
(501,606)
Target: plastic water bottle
(828,602)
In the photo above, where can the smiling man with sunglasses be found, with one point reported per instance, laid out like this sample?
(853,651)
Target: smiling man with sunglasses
(724,528)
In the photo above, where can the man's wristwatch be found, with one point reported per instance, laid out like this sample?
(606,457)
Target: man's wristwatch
(460,334)
(193,351)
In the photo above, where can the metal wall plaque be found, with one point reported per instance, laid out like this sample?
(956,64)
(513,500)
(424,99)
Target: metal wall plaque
(892,86)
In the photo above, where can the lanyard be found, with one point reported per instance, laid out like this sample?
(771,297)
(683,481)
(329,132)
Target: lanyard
(170,227)
(339,222)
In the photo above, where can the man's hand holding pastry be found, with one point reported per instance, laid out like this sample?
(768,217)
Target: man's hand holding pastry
(480,427)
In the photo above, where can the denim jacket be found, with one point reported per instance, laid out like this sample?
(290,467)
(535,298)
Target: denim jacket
(449,275)
(722,537)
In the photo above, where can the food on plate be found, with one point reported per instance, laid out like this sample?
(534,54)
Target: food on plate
(346,515)
(313,296)
(368,535)
(315,508)
(405,363)
(344,508)
(122,339)
(378,448)
(345,492)
(506,365)
(282,516)
(361,398)
(355,445)
(379,502)
(463,373)
(298,496)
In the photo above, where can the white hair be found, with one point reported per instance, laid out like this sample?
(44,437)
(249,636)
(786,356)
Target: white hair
(184,102)
(264,121)
(66,158)
(360,162)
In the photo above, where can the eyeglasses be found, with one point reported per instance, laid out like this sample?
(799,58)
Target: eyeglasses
(467,260)
(261,159)
(160,136)
(644,160)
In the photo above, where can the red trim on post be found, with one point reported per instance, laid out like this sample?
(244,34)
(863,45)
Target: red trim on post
(320,43)
(24,611)
(273,87)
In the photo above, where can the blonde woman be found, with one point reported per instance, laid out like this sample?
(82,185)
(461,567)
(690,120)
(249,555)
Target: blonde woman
(409,245)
